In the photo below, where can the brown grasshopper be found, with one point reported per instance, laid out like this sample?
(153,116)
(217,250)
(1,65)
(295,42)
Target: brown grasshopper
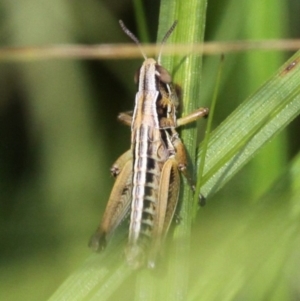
(147,176)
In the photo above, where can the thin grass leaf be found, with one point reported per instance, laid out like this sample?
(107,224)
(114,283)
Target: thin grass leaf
(251,126)
(207,132)
(228,28)
(274,28)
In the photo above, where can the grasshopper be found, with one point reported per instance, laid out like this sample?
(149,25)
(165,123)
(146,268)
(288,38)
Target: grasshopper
(147,176)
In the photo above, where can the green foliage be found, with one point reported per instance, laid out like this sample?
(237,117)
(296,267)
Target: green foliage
(59,138)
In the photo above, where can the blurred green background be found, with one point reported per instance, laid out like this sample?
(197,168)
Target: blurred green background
(59,137)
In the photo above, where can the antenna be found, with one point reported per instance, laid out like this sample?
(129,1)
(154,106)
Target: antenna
(168,33)
(133,37)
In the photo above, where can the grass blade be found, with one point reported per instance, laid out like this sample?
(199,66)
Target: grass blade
(251,126)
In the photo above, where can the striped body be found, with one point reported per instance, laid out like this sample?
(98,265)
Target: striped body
(151,148)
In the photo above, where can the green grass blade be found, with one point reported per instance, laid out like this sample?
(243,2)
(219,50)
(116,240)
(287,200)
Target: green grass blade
(274,28)
(143,32)
(227,28)
(207,132)
(251,126)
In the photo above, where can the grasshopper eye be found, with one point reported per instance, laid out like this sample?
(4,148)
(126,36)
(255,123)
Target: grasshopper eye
(136,76)
(163,74)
